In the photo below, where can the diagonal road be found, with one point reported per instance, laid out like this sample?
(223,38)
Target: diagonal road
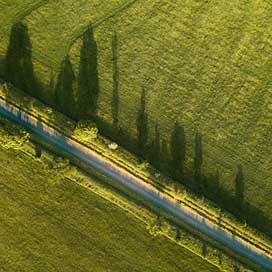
(147,191)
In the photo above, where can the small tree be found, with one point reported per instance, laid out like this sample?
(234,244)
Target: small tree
(178,151)
(142,129)
(64,95)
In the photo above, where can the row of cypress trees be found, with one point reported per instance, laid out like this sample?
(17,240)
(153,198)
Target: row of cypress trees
(18,64)
(77,97)
(81,104)
(171,159)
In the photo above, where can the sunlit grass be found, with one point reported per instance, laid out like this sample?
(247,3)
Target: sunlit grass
(206,64)
(48,223)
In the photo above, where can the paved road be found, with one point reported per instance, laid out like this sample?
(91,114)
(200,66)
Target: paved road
(135,184)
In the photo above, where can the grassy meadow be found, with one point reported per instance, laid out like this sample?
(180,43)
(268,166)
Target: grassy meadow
(48,223)
(51,32)
(205,64)
(11,12)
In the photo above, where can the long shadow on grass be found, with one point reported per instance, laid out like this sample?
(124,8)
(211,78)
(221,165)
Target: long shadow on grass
(2,67)
(115,96)
(232,203)
(17,69)
(64,98)
(88,78)
(18,63)
(17,66)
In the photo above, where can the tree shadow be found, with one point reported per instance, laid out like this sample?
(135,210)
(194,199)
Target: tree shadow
(122,137)
(165,158)
(17,68)
(154,149)
(88,78)
(2,67)
(239,186)
(207,185)
(178,152)
(242,210)
(142,127)
(18,62)
(64,95)
(115,96)
(198,160)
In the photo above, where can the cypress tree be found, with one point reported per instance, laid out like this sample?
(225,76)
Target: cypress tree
(88,81)
(142,129)
(18,64)
(115,96)
(165,157)
(52,81)
(178,151)
(217,185)
(239,186)
(198,160)
(155,150)
(64,89)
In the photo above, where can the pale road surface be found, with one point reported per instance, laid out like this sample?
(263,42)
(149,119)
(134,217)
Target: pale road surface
(147,191)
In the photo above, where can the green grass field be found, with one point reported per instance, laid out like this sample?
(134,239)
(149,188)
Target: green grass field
(52,33)
(11,12)
(206,64)
(48,223)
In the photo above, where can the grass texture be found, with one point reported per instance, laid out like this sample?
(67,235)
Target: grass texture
(48,223)
(206,64)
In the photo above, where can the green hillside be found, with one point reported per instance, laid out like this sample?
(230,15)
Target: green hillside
(205,64)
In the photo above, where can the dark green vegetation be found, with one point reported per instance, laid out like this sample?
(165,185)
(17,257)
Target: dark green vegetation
(115,96)
(48,223)
(204,65)
(142,128)
(18,67)
(88,83)
(64,89)
(178,145)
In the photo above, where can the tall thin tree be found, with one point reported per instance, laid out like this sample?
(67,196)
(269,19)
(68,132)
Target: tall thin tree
(88,80)
(155,149)
(142,128)
(178,151)
(115,96)
(19,68)
(64,96)
(165,157)
(239,186)
(198,160)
